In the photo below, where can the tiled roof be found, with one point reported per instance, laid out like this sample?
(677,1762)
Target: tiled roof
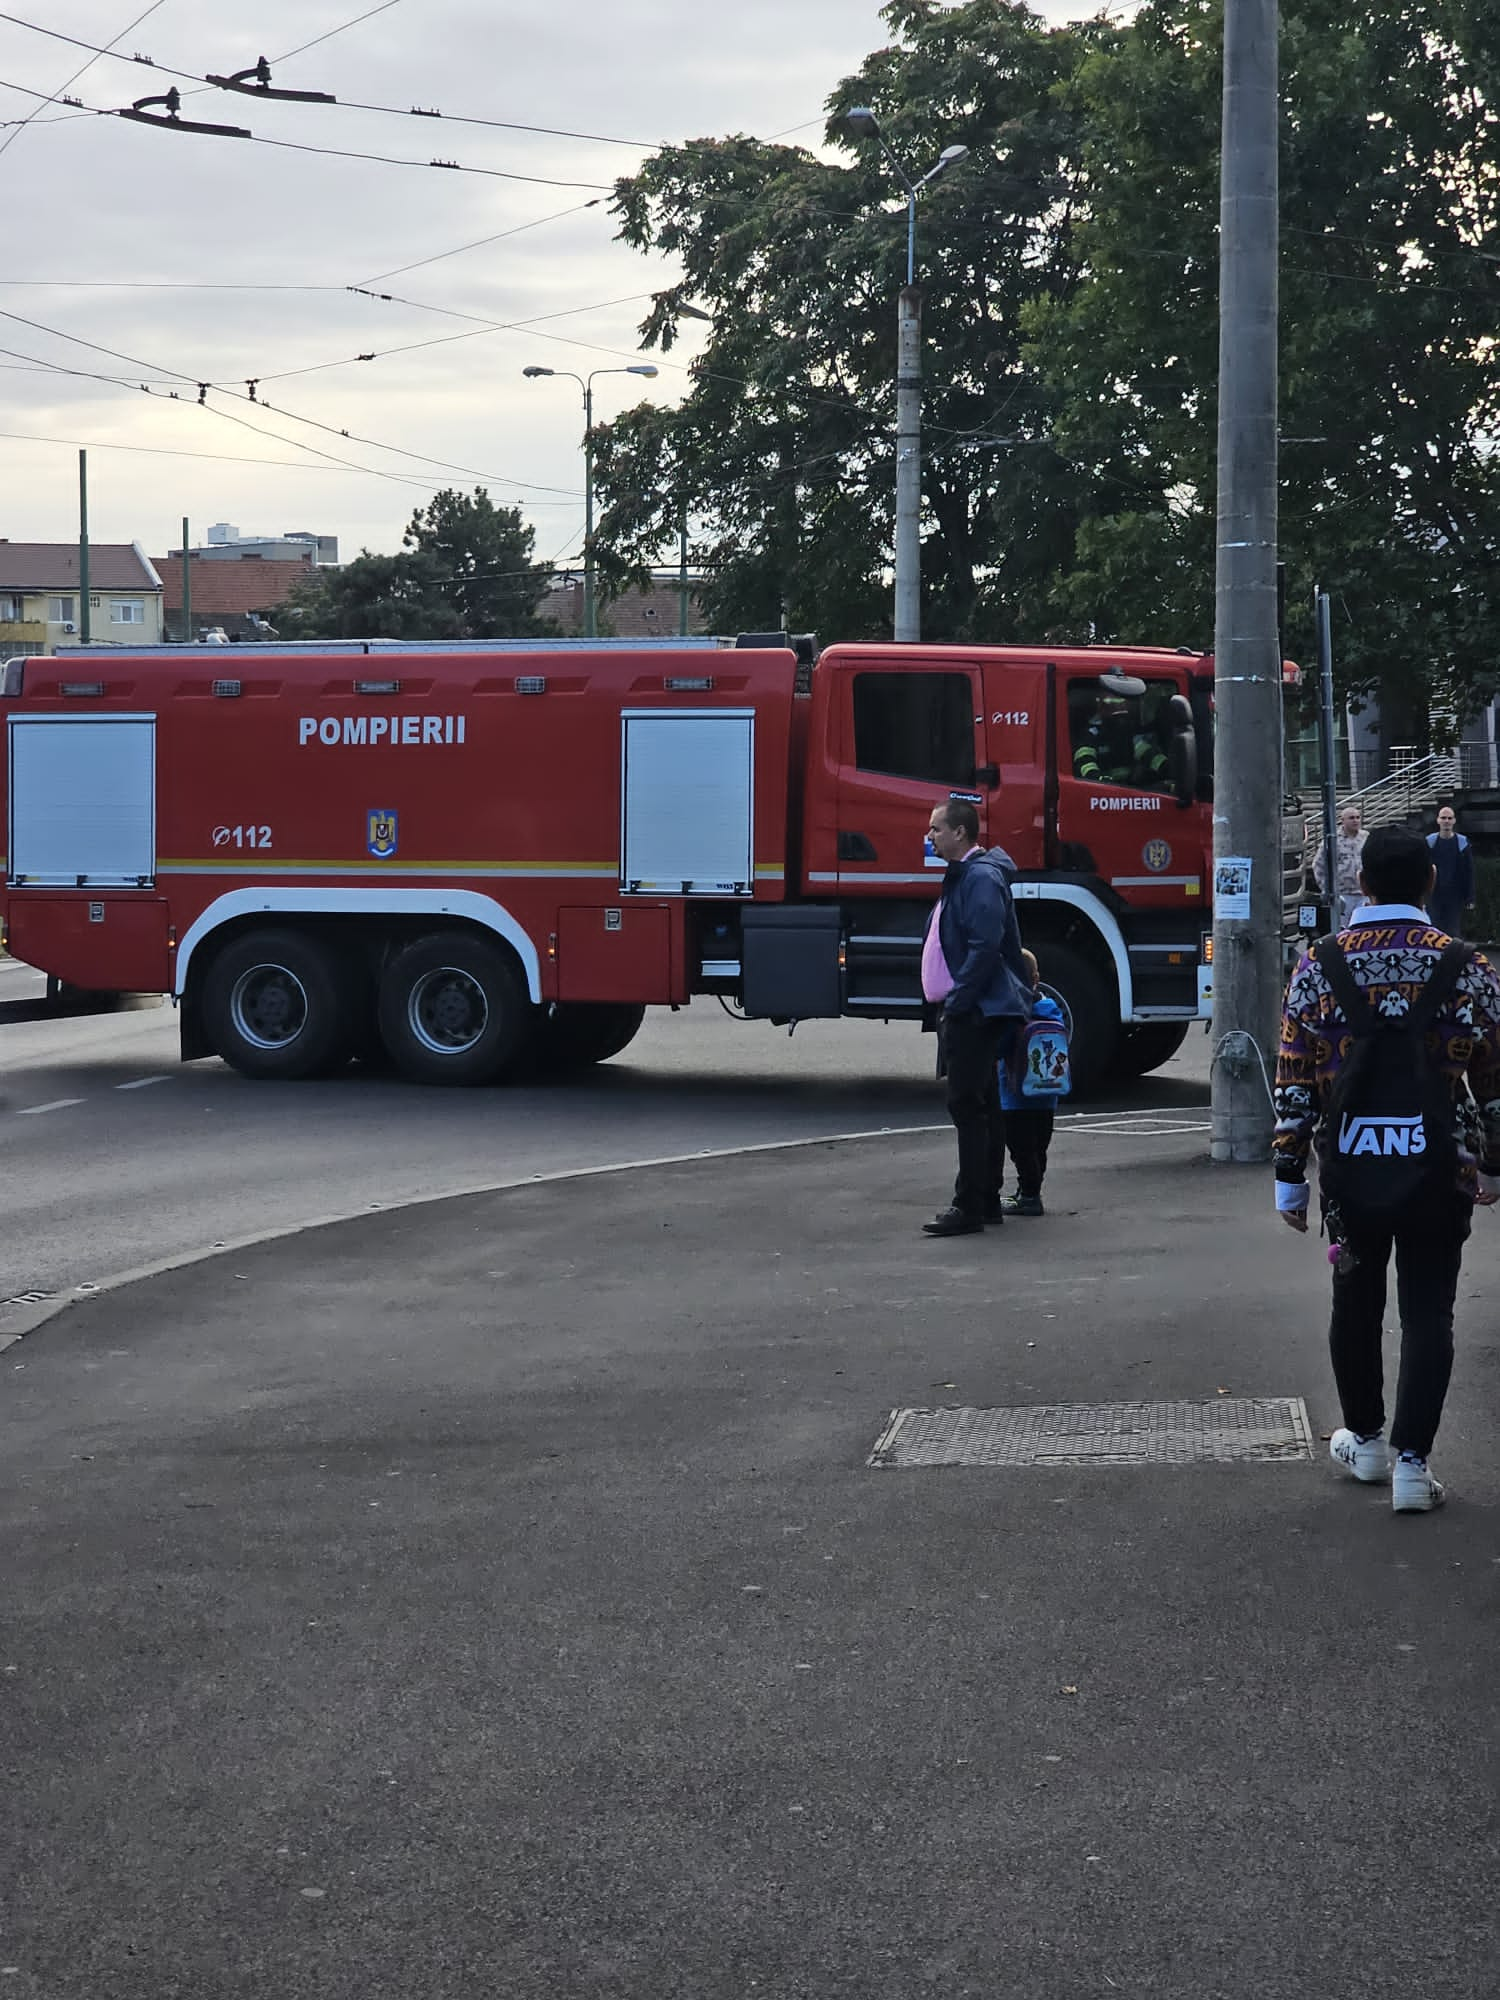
(54,566)
(229,589)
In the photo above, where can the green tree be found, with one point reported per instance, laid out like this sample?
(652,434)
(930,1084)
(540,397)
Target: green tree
(1390,490)
(464,572)
(781,456)
(1070,270)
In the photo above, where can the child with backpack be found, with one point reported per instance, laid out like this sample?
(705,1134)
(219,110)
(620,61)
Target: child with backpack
(1390,1064)
(1032,1078)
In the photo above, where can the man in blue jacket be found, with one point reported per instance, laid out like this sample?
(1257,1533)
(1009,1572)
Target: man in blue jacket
(973,974)
(1453,864)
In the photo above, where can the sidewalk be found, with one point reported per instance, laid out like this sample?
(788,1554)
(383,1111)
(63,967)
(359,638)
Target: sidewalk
(495,1599)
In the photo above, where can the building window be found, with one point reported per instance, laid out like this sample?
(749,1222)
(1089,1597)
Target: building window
(10,609)
(126,611)
(62,610)
(915,726)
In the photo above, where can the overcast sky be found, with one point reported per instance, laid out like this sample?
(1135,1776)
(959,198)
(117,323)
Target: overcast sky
(199,259)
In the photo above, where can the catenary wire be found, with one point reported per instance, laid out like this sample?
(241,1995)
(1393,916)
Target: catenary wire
(500,124)
(343,29)
(342,152)
(481,242)
(482,326)
(171,395)
(15,134)
(168,451)
(392,110)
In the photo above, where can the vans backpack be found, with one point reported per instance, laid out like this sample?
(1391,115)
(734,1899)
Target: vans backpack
(1042,1066)
(1387,1134)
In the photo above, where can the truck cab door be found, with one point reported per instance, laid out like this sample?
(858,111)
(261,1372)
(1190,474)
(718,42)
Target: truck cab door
(907,736)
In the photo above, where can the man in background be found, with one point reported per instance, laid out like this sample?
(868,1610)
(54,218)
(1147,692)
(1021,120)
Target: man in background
(1342,885)
(1453,870)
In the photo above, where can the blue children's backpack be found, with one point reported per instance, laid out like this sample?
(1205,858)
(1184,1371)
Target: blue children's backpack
(1042,1054)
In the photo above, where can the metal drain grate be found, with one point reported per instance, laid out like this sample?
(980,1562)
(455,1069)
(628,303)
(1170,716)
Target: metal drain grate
(1229,1430)
(27,1299)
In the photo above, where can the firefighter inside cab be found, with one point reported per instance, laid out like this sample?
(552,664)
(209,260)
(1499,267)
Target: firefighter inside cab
(1114,742)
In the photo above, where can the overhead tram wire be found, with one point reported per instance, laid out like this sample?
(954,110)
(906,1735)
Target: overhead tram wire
(114,353)
(168,451)
(331,152)
(98,51)
(481,242)
(436,117)
(164,392)
(358,21)
(445,339)
(15,134)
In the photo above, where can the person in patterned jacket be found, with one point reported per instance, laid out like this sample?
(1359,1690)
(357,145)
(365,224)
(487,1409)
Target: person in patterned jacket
(1391,947)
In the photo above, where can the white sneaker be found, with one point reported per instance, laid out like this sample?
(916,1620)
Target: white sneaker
(1413,1488)
(1366,1458)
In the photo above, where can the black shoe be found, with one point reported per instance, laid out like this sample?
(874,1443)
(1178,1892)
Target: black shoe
(995,1210)
(953,1222)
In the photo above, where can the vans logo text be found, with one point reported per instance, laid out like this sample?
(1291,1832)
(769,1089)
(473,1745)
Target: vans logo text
(1382,1138)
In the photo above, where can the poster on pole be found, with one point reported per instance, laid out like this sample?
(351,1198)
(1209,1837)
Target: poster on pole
(1232,888)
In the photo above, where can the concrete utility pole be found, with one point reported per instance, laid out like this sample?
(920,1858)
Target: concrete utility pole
(1247,966)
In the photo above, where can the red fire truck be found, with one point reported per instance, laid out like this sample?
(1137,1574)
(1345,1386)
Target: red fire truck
(476,860)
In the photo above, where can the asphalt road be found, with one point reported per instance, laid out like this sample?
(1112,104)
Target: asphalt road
(495,1599)
(117,1157)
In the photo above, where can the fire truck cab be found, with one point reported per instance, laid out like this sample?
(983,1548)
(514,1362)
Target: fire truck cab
(484,859)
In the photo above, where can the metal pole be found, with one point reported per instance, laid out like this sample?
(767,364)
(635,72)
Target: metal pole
(85,622)
(908,618)
(682,580)
(590,630)
(1328,755)
(187,586)
(1247,663)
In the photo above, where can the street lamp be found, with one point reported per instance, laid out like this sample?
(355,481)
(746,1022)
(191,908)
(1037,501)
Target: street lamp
(586,383)
(863,123)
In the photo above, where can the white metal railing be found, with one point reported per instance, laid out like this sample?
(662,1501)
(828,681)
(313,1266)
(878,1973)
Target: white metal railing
(1416,782)
(1413,783)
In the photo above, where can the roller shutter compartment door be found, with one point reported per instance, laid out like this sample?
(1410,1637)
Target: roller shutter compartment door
(688,790)
(83,801)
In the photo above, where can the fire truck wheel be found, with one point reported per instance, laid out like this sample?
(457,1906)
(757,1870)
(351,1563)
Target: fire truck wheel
(1145,1048)
(1089,1003)
(578,1035)
(453,1009)
(274,1006)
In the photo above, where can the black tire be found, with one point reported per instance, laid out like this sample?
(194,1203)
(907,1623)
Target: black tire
(1092,1012)
(579,1035)
(453,1009)
(275,1006)
(1148,1045)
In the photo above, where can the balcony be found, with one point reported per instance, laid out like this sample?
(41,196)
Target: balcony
(22,635)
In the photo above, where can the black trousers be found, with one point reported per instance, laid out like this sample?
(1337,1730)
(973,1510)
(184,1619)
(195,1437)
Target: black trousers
(1429,1245)
(969,1047)
(1028,1134)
